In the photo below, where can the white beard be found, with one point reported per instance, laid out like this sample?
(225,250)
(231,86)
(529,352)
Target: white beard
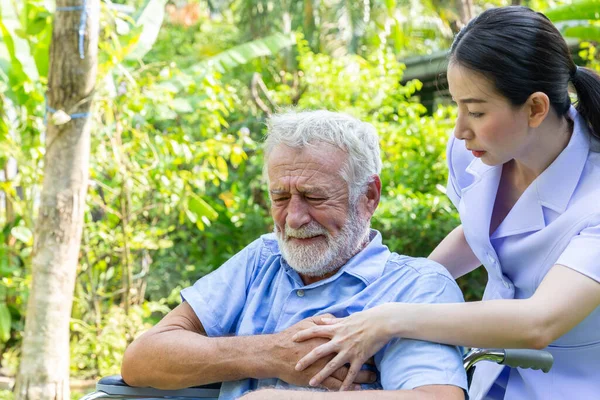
(328,254)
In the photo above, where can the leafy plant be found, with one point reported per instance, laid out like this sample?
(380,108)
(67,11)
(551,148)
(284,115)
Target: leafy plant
(579,20)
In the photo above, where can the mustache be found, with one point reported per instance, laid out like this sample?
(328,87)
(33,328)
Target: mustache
(307,231)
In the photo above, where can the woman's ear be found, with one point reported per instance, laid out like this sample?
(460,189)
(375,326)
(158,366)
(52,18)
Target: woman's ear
(538,105)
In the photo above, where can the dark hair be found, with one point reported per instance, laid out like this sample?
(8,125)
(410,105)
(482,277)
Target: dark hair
(523,53)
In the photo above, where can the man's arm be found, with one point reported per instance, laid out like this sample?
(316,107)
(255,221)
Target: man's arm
(430,392)
(176,353)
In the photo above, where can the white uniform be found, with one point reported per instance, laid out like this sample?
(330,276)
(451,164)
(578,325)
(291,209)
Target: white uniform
(556,221)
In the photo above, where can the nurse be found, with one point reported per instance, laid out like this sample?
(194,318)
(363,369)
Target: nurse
(524,174)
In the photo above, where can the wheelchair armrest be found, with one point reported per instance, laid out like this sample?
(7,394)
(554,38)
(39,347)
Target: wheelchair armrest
(115,386)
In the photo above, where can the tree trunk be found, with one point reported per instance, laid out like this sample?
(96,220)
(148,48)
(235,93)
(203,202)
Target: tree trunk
(465,10)
(310,26)
(44,369)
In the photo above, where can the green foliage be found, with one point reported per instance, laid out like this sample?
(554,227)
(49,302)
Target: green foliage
(580,19)
(589,52)
(25,36)
(6,395)
(175,174)
(5,321)
(148,23)
(578,10)
(97,350)
(243,53)
(14,253)
(187,44)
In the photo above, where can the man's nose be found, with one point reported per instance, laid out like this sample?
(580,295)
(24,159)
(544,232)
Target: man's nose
(297,213)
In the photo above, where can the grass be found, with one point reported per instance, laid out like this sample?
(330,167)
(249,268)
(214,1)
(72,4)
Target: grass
(8,395)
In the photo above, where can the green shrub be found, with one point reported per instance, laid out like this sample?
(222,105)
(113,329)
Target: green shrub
(6,395)
(97,350)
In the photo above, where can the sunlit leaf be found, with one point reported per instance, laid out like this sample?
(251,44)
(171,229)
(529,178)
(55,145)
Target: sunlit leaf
(242,54)
(150,19)
(191,215)
(590,32)
(586,10)
(5,320)
(122,26)
(201,208)
(17,47)
(222,167)
(182,105)
(22,233)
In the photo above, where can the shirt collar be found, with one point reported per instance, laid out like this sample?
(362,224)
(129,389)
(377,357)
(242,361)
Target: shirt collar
(367,265)
(556,184)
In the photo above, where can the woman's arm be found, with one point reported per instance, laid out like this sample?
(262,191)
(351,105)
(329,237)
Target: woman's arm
(455,254)
(563,299)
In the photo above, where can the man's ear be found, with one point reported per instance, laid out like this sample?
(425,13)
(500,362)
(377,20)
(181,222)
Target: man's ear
(538,107)
(370,199)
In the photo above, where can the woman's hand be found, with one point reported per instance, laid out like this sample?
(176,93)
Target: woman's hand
(355,339)
(286,352)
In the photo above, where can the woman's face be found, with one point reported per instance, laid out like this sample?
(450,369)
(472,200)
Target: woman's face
(491,127)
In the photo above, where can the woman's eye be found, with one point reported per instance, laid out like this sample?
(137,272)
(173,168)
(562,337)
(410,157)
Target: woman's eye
(475,114)
(279,200)
(314,198)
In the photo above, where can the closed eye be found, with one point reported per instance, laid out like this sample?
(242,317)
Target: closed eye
(475,114)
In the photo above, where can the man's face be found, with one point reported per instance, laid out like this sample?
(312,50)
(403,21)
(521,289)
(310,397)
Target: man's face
(317,229)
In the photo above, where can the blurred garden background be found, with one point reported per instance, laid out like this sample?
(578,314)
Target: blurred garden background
(182,94)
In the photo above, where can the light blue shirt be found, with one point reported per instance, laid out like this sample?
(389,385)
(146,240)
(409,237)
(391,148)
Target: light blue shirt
(257,292)
(555,221)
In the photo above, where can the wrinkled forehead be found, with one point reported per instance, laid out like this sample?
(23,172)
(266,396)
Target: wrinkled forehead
(316,160)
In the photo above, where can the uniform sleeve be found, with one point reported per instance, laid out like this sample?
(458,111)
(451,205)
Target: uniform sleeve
(219,297)
(407,364)
(582,254)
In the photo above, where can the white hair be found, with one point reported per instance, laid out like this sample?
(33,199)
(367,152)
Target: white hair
(299,129)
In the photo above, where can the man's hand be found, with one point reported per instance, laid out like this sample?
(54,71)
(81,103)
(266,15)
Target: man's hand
(287,353)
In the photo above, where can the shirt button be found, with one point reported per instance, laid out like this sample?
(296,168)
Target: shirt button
(300,293)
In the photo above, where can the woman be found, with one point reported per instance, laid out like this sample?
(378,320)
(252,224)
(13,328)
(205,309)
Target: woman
(525,177)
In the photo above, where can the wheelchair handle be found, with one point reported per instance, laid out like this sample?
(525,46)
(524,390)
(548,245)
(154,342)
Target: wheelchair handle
(526,358)
(515,358)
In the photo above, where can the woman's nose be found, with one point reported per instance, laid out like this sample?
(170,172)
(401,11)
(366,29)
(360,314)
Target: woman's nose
(462,131)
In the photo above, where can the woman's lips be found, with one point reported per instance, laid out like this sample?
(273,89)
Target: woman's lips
(478,153)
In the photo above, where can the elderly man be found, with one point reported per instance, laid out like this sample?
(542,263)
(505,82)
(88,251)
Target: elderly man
(236,324)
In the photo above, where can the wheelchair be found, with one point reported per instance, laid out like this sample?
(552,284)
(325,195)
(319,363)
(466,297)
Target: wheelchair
(113,387)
